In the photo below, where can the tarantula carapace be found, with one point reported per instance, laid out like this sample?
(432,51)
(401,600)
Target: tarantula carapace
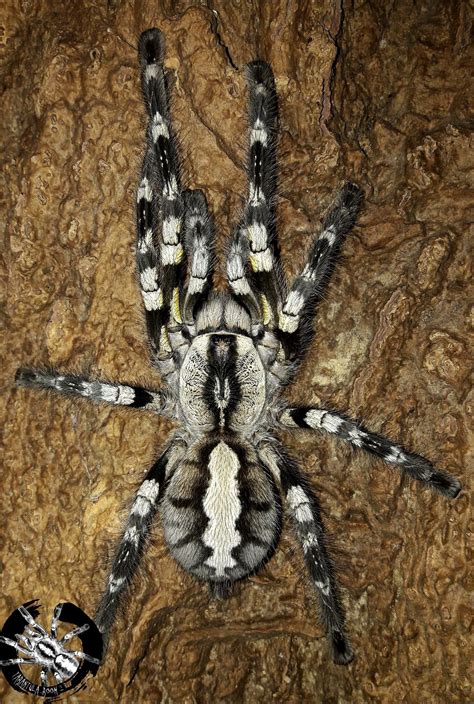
(225,358)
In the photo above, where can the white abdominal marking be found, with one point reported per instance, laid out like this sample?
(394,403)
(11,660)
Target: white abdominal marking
(222,507)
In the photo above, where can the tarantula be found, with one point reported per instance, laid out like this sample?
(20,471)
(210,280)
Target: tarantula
(48,650)
(225,358)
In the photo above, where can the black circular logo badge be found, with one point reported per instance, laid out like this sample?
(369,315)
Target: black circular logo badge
(47,664)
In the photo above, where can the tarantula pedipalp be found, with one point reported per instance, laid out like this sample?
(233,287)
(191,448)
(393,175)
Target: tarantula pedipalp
(225,358)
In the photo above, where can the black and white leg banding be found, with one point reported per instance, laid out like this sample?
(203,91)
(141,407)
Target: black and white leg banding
(199,246)
(166,186)
(137,528)
(264,280)
(304,509)
(99,391)
(295,319)
(147,255)
(414,466)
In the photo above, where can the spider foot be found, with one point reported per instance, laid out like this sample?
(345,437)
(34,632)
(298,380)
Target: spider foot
(342,652)
(445,483)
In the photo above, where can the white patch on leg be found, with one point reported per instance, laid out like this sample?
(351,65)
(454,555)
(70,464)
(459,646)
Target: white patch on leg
(132,535)
(149,279)
(396,456)
(153,300)
(109,393)
(159,128)
(331,423)
(258,133)
(328,235)
(126,395)
(313,417)
(146,244)
(294,303)
(356,437)
(149,489)
(323,586)
(261,261)
(289,317)
(170,190)
(171,230)
(257,234)
(309,273)
(146,497)
(309,542)
(171,254)
(222,507)
(241,287)
(115,583)
(288,323)
(144,190)
(299,504)
(151,71)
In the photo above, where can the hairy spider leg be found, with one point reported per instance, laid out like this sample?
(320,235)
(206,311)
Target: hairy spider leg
(98,391)
(254,240)
(199,247)
(162,281)
(137,528)
(13,644)
(55,622)
(414,466)
(75,632)
(295,327)
(304,509)
(238,277)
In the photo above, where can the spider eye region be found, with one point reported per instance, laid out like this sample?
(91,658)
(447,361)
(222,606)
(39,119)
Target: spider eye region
(222,383)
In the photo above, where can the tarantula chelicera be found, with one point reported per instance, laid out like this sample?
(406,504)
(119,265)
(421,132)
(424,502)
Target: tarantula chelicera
(225,359)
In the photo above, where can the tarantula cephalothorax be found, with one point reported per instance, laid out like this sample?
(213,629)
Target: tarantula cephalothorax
(225,358)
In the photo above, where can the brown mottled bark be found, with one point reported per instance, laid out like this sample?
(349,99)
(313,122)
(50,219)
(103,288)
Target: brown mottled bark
(373,92)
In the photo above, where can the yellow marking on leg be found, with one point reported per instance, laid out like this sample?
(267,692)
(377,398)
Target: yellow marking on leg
(267,316)
(179,253)
(175,307)
(165,345)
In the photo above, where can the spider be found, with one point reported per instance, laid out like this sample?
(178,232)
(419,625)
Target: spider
(47,650)
(225,358)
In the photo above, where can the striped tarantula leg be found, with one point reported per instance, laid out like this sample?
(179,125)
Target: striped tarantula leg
(160,136)
(148,264)
(412,465)
(295,317)
(199,247)
(305,513)
(14,644)
(98,391)
(259,215)
(130,548)
(258,221)
(240,280)
(17,661)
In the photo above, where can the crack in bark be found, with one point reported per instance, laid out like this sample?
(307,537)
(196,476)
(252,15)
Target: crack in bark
(215,31)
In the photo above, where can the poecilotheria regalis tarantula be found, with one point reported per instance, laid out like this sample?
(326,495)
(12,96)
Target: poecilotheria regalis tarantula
(225,359)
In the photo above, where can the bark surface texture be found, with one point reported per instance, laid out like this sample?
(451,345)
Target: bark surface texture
(373,92)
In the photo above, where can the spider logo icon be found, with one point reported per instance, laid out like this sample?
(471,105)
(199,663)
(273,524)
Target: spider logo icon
(23,641)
